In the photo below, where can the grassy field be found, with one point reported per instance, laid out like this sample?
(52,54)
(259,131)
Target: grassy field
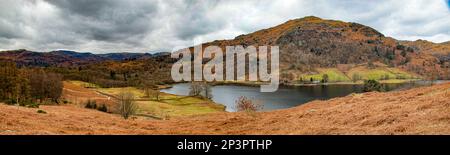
(383,74)
(169,105)
(84,84)
(334,75)
(178,106)
(138,94)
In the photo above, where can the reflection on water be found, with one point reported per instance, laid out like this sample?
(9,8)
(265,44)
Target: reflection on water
(285,97)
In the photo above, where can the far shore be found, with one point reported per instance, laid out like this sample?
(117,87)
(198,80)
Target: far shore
(257,84)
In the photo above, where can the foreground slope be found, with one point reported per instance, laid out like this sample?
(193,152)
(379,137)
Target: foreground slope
(417,111)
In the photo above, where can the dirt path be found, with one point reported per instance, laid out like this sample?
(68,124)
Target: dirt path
(80,95)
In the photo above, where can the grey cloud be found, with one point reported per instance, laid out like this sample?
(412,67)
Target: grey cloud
(8,30)
(88,8)
(191,18)
(107,20)
(146,25)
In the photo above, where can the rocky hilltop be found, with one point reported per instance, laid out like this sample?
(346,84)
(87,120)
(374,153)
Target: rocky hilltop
(309,43)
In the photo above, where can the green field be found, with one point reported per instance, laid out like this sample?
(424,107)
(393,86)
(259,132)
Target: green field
(139,94)
(383,74)
(334,75)
(176,106)
(84,84)
(169,105)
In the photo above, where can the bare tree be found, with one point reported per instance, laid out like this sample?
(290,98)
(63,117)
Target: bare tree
(245,104)
(45,85)
(154,94)
(325,78)
(200,89)
(207,91)
(54,86)
(127,104)
(195,89)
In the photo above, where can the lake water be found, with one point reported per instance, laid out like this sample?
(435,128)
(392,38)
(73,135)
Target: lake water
(285,97)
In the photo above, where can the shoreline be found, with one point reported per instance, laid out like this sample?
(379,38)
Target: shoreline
(257,84)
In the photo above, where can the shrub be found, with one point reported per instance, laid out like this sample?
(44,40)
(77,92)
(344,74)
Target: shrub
(127,105)
(29,104)
(370,65)
(245,104)
(23,104)
(11,102)
(401,47)
(325,78)
(390,55)
(91,104)
(33,105)
(401,77)
(356,77)
(372,85)
(385,77)
(103,108)
(153,94)
(41,111)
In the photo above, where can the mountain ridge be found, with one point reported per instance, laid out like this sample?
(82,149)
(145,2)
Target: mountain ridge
(67,58)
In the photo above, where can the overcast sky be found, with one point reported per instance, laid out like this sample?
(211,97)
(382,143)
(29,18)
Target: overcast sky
(159,25)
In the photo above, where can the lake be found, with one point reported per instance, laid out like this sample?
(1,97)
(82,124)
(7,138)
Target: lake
(285,97)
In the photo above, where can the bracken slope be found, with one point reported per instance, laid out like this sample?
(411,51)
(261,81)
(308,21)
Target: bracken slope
(423,110)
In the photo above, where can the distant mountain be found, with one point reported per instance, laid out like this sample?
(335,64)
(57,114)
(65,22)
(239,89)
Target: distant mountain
(125,56)
(67,58)
(29,58)
(77,55)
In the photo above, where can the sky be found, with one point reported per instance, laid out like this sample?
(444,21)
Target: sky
(102,26)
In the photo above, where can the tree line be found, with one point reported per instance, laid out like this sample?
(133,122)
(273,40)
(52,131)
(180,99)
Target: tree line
(27,86)
(118,73)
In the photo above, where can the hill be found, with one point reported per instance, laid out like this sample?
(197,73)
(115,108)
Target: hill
(310,43)
(423,110)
